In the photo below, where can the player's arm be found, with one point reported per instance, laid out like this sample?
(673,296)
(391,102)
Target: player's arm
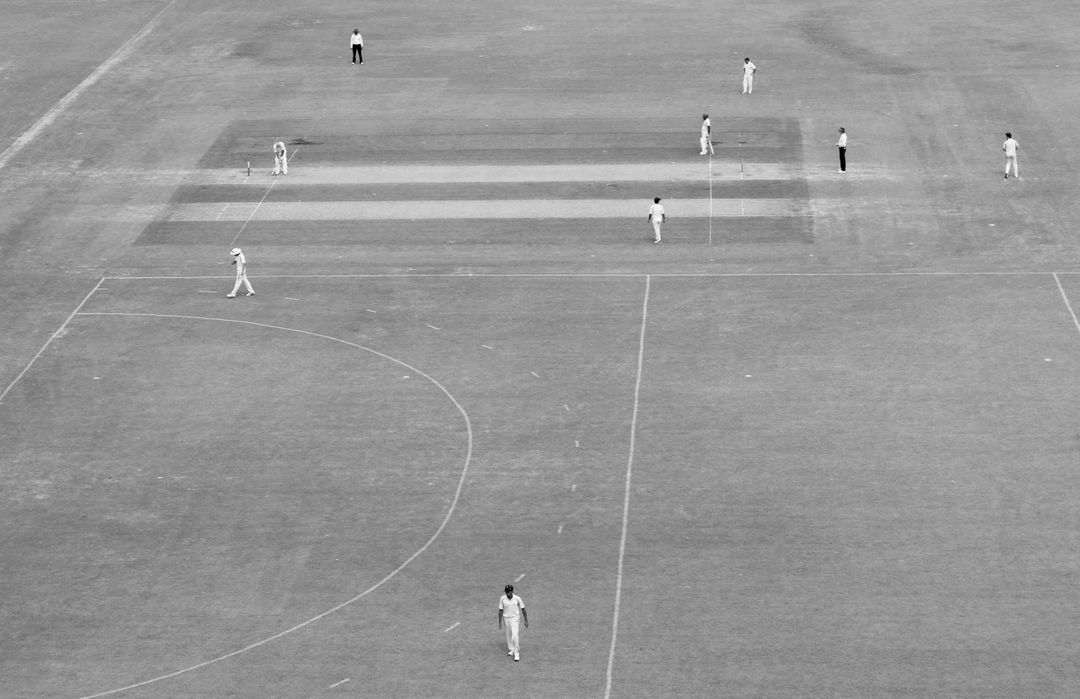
(525,617)
(233,262)
(500,616)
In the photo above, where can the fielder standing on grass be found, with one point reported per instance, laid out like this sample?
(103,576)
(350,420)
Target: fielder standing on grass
(656,217)
(241,274)
(1010,147)
(706,136)
(748,71)
(841,148)
(511,609)
(281,159)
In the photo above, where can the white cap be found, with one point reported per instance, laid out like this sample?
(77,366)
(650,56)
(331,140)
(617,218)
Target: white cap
(235,251)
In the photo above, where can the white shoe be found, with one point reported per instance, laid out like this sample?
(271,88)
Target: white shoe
(250,293)
(517,657)
(230,296)
(702,153)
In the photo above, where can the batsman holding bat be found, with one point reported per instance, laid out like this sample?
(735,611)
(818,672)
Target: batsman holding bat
(281,159)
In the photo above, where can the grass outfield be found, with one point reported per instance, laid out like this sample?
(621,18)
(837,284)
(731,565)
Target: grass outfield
(819,443)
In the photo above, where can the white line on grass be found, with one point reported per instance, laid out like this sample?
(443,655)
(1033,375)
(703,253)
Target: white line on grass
(710,199)
(1065,298)
(584,275)
(338,684)
(626,490)
(253,211)
(518,578)
(385,578)
(57,109)
(452,626)
(48,342)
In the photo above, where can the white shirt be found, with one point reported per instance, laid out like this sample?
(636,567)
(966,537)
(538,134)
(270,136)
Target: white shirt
(749,68)
(705,126)
(279,149)
(357,40)
(843,140)
(511,606)
(657,212)
(1010,147)
(241,265)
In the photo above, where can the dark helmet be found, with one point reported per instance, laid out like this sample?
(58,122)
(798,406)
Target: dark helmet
(508,588)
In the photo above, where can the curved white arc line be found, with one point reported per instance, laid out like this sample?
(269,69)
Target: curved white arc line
(388,576)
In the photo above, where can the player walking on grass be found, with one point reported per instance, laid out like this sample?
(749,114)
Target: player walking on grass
(656,217)
(1010,146)
(706,135)
(241,274)
(281,159)
(748,71)
(511,610)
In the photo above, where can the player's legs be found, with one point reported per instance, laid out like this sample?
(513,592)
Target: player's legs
(704,145)
(284,165)
(247,286)
(510,627)
(277,164)
(656,231)
(750,84)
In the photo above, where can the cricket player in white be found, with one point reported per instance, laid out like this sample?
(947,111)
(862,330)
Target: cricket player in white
(511,609)
(748,71)
(281,159)
(656,216)
(241,274)
(706,135)
(1009,146)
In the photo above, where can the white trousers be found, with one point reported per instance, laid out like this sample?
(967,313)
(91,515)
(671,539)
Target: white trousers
(706,145)
(242,280)
(747,83)
(281,164)
(511,627)
(656,228)
(1010,161)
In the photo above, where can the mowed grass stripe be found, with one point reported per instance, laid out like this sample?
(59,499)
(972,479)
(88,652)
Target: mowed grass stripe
(483,209)
(444,234)
(303,172)
(724,189)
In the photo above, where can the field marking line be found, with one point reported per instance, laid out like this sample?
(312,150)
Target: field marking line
(452,626)
(518,578)
(223,210)
(710,199)
(570,275)
(338,684)
(1065,298)
(48,342)
(386,578)
(253,211)
(57,109)
(626,493)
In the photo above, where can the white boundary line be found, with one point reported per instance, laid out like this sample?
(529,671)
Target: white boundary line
(1065,298)
(385,578)
(57,109)
(48,342)
(626,490)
